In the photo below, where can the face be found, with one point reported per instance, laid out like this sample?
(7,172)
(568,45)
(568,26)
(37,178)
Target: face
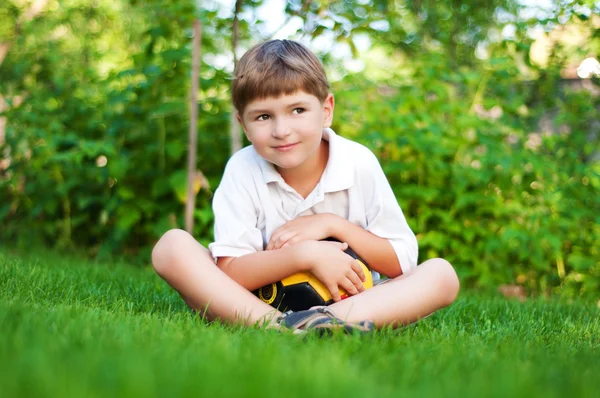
(287,130)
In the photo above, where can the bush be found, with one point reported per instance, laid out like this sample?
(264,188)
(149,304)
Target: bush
(496,174)
(480,183)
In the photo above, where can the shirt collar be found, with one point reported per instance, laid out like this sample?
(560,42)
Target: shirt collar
(338,174)
(268,171)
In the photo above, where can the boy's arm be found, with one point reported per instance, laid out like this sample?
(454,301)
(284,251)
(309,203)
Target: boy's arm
(377,252)
(386,228)
(258,269)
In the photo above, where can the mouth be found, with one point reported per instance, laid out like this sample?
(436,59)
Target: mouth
(287,147)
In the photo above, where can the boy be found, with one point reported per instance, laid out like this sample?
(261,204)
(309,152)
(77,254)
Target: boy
(297,184)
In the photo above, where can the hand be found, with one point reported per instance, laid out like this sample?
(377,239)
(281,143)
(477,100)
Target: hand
(334,268)
(315,227)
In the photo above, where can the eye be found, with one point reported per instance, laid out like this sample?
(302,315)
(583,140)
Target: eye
(298,111)
(262,117)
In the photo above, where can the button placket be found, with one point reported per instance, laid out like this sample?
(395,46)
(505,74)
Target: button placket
(315,197)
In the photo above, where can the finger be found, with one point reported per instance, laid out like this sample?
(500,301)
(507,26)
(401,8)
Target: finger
(278,239)
(359,270)
(356,281)
(284,238)
(349,287)
(292,241)
(276,235)
(271,242)
(335,292)
(340,245)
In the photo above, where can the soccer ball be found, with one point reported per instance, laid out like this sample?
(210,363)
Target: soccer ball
(303,290)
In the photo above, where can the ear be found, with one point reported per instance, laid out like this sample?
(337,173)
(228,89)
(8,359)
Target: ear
(328,106)
(240,121)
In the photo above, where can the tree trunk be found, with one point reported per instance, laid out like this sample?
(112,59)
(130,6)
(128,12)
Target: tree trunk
(235,136)
(190,203)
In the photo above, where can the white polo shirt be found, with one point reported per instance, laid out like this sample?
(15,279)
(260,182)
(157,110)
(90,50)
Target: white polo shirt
(253,201)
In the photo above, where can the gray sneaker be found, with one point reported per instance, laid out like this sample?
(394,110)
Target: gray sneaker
(322,320)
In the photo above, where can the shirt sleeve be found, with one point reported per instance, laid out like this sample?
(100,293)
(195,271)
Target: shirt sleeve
(236,216)
(385,217)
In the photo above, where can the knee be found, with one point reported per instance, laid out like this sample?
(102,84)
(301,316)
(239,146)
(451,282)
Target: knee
(446,280)
(166,250)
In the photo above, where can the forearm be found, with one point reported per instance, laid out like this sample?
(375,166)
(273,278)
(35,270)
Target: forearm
(375,251)
(255,270)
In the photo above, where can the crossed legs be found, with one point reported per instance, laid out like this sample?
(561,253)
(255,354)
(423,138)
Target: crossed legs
(189,268)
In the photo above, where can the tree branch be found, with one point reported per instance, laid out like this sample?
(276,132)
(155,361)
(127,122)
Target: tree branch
(235,137)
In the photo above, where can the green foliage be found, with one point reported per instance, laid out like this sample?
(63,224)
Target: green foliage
(93,156)
(493,159)
(481,183)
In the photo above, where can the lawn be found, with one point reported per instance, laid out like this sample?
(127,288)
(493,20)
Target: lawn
(74,328)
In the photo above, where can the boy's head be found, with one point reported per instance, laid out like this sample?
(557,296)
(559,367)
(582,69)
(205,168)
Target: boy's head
(276,68)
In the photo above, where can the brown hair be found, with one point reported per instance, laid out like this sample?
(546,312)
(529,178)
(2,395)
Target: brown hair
(275,68)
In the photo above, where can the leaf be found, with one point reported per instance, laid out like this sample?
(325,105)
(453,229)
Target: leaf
(127,216)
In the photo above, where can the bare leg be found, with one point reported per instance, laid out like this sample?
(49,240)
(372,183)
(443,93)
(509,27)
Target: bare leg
(406,299)
(189,268)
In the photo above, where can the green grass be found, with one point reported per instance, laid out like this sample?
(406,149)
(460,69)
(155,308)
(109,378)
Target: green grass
(72,328)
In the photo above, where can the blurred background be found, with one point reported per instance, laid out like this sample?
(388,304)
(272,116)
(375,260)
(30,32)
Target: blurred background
(485,117)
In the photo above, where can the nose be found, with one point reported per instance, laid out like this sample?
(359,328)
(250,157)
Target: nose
(281,129)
